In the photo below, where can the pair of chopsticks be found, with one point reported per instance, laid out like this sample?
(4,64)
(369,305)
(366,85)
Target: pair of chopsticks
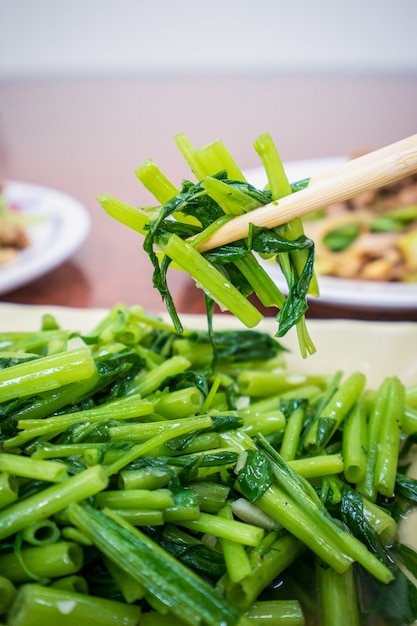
(341,183)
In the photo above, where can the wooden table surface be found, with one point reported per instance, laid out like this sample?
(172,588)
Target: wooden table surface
(87,136)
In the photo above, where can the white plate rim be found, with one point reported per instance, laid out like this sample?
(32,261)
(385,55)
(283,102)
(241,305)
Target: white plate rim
(62,225)
(339,291)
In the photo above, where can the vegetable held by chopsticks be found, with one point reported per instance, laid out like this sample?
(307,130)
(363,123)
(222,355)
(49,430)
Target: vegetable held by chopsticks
(174,231)
(211,229)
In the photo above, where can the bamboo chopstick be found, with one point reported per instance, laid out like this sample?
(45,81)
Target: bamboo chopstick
(345,181)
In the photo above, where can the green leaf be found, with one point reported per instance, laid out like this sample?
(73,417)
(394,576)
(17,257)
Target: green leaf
(408,557)
(255,477)
(352,515)
(342,237)
(406,487)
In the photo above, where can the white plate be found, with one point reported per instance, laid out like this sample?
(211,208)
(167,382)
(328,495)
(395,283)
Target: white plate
(61,225)
(339,291)
(345,345)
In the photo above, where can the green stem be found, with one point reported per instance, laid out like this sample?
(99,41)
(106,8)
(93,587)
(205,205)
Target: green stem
(35,604)
(41,533)
(124,213)
(411,396)
(7,594)
(48,402)
(307,525)
(237,561)
(190,155)
(156,182)
(316,466)
(355,443)
(154,379)
(211,496)
(164,577)
(208,160)
(280,187)
(260,281)
(64,450)
(389,438)
(131,589)
(143,431)
(292,433)
(144,478)
(321,528)
(410,420)
(338,599)
(135,498)
(210,279)
(49,372)
(367,485)
(265,423)
(257,384)
(231,200)
(39,562)
(71,583)
(271,160)
(51,500)
(141,517)
(176,429)
(126,408)
(26,467)
(267,564)
(334,412)
(181,403)
(9,489)
(276,612)
(230,529)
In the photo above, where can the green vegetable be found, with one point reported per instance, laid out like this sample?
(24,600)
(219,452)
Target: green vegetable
(8,489)
(38,375)
(35,604)
(41,533)
(7,594)
(187,596)
(191,478)
(229,274)
(37,563)
(31,468)
(271,612)
(51,500)
(339,604)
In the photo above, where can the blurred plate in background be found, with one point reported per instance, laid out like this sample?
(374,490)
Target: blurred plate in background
(57,226)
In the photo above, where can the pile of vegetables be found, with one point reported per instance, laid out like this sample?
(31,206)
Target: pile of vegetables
(160,478)
(186,216)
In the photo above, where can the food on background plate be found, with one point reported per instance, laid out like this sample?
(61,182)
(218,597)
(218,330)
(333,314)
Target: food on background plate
(372,236)
(13,231)
(190,478)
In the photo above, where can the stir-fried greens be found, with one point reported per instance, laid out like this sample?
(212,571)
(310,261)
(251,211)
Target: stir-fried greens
(229,274)
(149,477)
